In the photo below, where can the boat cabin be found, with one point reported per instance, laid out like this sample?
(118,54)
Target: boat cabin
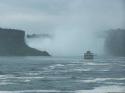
(88,55)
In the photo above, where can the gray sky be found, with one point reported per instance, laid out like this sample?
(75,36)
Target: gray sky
(73,24)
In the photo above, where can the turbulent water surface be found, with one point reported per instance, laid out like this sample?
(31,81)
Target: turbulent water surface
(61,75)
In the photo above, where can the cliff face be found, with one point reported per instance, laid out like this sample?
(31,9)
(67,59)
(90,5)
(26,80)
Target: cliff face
(115,42)
(12,43)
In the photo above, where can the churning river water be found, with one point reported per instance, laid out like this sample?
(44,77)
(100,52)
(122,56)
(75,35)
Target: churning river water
(61,75)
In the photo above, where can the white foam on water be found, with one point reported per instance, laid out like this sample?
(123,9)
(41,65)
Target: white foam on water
(27,80)
(35,91)
(87,69)
(57,77)
(7,92)
(92,63)
(104,70)
(56,65)
(5,79)
(5,76)
(101,79)
(59,65)
(104,89)
(28,77)
(5,83)
(114,83)
(21,77)
(32,73)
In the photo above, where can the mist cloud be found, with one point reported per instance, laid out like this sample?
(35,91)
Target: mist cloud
(73,24)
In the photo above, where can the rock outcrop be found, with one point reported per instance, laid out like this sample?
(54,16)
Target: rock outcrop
(12,43)
(115,42)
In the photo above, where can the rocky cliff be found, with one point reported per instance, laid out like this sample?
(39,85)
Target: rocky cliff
(115,42)
(12,43)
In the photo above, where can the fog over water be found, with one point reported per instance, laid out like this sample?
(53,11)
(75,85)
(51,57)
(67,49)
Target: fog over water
(74,26)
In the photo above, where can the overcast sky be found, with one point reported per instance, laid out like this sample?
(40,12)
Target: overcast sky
(72,24)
